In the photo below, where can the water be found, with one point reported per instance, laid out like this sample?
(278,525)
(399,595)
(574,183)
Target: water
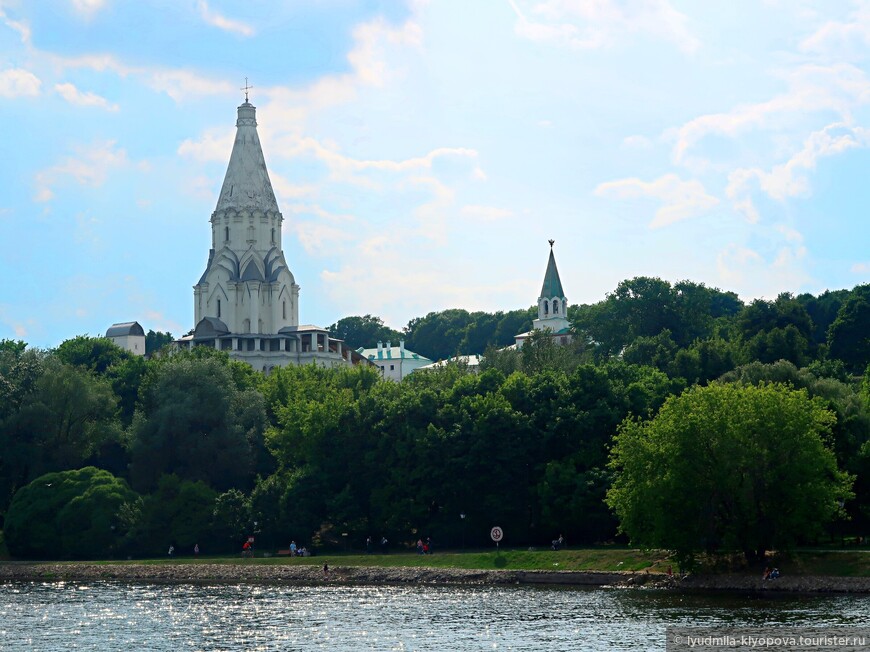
(182,617)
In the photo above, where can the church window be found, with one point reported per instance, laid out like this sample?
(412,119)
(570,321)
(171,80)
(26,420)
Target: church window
(246,326)
(227,233)
(284,309)
(219,308)
(555,306)
(273,236)
(546,307)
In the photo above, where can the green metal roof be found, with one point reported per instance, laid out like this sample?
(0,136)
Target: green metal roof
(552,284)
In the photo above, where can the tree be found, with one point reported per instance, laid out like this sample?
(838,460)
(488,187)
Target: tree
(155,340)
(365,331)
(438,335)
(179,512)
(231,519)
(70,514)
(728,467)
(65,418)
(849,335)
(94,353)
(195,422)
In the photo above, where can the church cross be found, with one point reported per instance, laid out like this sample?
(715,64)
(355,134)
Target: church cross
(246,88)
(552,242)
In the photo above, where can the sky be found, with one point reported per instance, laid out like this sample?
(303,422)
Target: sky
(423,152)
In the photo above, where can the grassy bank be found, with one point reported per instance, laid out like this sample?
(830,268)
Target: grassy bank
(604,559)
(838,563)
(841,563)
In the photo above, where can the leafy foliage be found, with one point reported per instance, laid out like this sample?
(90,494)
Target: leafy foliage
(755,457)
(70,514)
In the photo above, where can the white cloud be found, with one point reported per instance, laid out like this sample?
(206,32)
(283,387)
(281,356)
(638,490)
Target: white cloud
(343,167)
(789,179)
(838,88)
(88,8)
(636,142)
(319,239)
(90,168)
(591,24)
(21,27)
(214,145)
(861,268)
(215,19)
(18,327)
(286,190)
(780,269)
(681,199)
(74,96)
(181,84)
(17,82)
(177,83)
(838,36)
(368,58)
(486,213)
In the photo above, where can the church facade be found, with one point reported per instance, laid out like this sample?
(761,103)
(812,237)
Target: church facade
(552,307)
(247,301)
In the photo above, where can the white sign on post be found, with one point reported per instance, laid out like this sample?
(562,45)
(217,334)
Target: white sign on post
(496,535)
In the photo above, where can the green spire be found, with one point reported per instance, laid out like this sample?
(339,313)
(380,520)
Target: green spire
(552,283)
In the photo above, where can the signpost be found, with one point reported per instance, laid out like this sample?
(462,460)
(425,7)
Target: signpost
(496,534)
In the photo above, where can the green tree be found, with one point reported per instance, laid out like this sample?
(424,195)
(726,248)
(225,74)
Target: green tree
(178,512)
(728,467)
(70,514)
(94,353)
(195,422)
(438,335)
(849,335)
(365,331)
(66,417)
(231,519)
(155,340)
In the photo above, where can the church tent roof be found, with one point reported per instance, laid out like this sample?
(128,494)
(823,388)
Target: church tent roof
(552,283)
(246,184)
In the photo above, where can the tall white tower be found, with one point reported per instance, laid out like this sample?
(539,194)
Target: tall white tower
(552,304)
(247,301)
(247,284)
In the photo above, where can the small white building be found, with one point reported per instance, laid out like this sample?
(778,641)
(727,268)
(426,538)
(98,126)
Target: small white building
(552,307)
(395,362)
(471,362)
(129,336)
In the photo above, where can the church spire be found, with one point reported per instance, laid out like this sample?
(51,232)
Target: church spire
(552,303)
(552,283)
(246,184)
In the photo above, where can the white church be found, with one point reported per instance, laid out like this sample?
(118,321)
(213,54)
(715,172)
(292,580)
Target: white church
(247,301)
(552,308)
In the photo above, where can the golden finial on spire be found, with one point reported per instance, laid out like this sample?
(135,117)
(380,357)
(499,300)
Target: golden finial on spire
(246,88)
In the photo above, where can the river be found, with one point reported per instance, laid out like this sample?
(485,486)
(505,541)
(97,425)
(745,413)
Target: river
(187,617)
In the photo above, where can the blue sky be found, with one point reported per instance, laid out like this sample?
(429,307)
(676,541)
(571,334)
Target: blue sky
(423,152)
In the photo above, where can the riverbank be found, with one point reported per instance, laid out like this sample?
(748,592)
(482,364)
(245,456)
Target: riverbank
(370,575)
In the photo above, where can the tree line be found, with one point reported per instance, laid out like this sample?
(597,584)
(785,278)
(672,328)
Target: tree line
(104,453)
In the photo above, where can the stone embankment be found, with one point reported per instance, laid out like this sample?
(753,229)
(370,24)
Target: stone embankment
(309,574)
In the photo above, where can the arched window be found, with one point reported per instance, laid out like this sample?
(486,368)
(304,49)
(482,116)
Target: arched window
(246,326)
(273,236)
(546,307)
(227,233)
(555,306)
(219,308)
(284,309)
